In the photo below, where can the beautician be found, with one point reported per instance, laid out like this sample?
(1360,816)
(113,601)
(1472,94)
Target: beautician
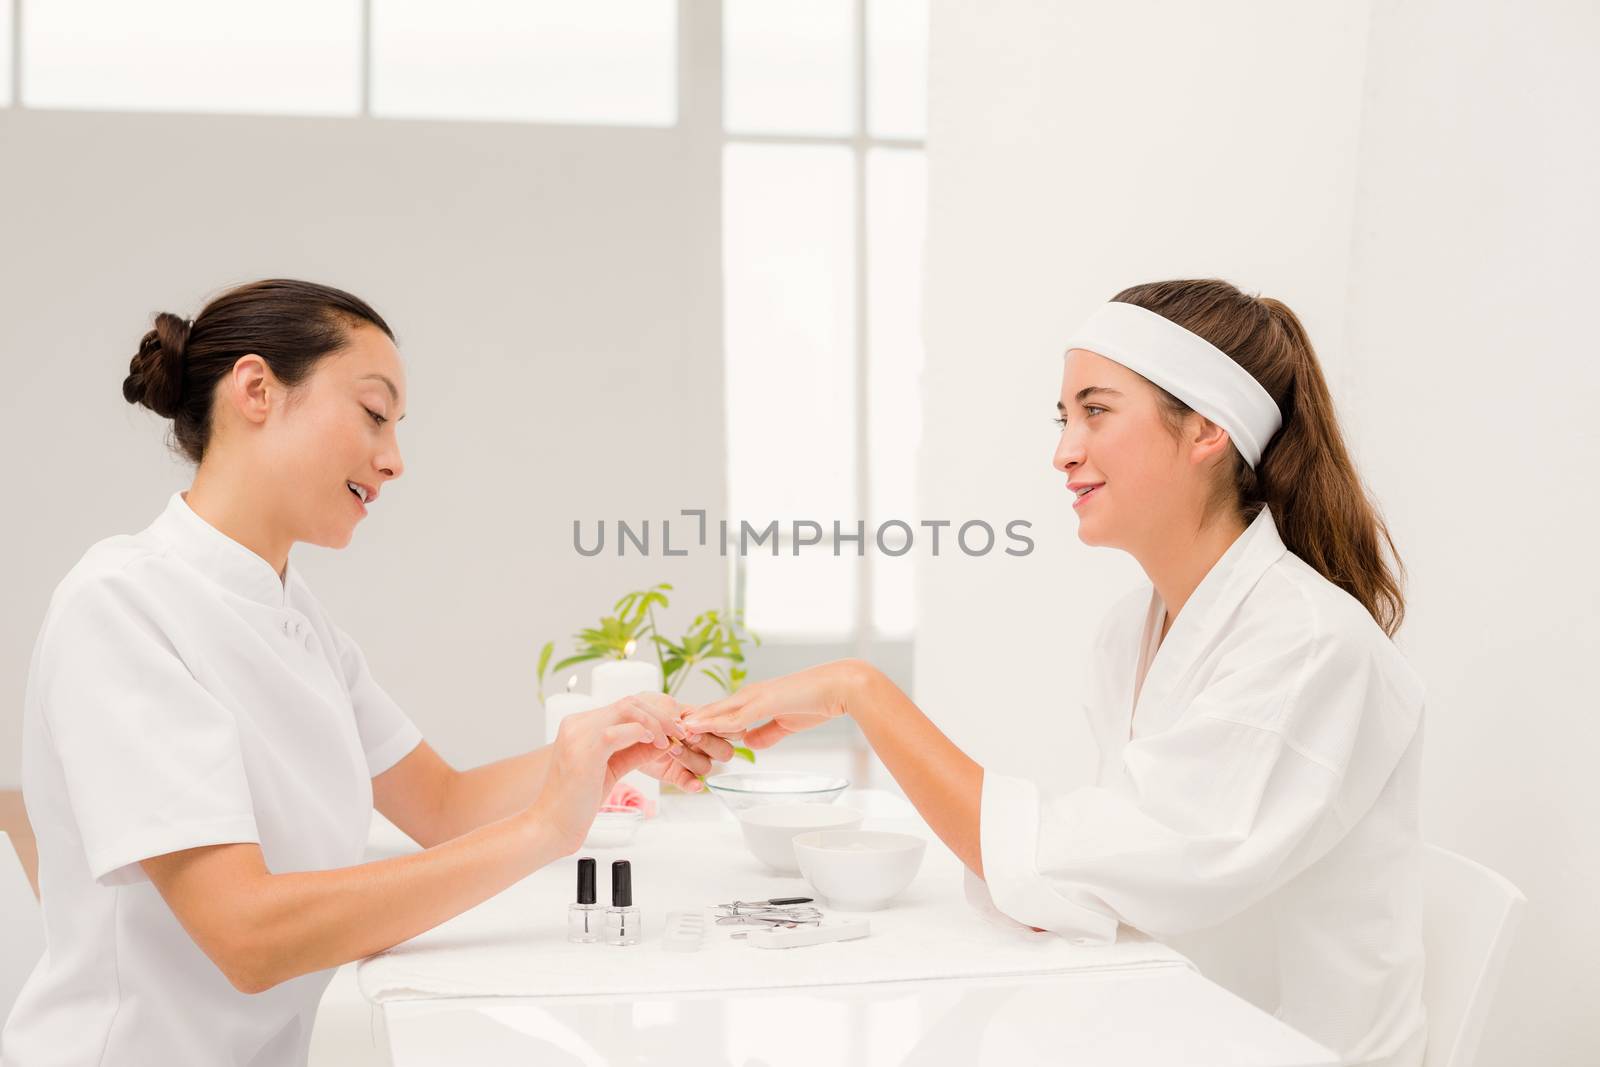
(1259,734)
(203,747)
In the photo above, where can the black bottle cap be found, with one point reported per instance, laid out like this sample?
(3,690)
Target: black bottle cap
(621,884)
(586,880)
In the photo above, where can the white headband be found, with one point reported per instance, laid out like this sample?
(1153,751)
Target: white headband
(1187,366)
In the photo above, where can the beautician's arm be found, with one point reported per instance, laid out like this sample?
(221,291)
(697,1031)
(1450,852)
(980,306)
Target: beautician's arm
(261,928)
(433,802)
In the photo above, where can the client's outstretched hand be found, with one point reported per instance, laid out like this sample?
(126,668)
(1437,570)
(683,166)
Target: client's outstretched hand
(766,712)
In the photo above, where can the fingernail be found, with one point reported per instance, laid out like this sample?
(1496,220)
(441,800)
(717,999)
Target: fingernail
(695,786)
(691,738)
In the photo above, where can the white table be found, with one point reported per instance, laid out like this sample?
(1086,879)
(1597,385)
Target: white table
(1154,1015)
(1162,1017)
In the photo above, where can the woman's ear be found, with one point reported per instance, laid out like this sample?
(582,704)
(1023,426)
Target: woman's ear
(1206,439)
(249,387)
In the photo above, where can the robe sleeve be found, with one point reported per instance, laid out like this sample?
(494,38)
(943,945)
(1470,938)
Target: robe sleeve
(1241,794)
(151,759)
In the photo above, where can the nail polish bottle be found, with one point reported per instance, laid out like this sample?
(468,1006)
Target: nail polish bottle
(622,918)
(583,917)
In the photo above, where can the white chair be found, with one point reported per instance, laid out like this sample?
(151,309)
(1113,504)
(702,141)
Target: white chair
(1470,918)
(21,926)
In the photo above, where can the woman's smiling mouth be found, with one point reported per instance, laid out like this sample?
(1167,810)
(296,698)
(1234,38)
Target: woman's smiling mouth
(363,494)
(1083,490)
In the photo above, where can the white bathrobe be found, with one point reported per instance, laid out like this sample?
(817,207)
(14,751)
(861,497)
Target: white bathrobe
(1255,806)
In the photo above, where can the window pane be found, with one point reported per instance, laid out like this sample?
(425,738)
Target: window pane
(896,204)
(789,67)
(280,57)
(598,62)
(5,53)
(789,321)
(812,595)
(897,68)
(893,587)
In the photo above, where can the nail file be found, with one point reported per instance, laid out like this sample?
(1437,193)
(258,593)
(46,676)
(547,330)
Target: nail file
(794,937)
(685,931)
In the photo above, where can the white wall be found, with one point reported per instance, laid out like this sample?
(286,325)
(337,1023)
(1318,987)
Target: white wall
(1076,149)
(1474,374)
(1417,182)
(556,296)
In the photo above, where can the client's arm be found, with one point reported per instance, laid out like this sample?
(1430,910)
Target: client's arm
(943,782)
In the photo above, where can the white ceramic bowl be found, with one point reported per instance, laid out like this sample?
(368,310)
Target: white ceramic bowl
(770,830)
(756,789)
(613,827)
(858,870)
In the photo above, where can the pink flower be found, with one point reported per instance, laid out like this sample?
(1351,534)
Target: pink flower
(624,795)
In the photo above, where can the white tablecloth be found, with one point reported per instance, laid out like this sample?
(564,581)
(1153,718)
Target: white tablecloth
(515,944)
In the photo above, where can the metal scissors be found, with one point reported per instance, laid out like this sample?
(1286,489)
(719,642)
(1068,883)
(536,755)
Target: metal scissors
(779,911)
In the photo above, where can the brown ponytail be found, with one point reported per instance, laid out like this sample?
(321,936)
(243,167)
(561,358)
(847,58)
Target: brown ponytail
(1322,511)
(289,324)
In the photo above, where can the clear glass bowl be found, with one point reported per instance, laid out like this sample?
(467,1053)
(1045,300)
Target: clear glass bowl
(613,827)
(749,790)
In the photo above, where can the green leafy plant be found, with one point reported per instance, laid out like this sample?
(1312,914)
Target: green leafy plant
(714,645)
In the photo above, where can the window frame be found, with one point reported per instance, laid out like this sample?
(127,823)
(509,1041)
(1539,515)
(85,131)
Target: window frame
(893,653)
(700,108)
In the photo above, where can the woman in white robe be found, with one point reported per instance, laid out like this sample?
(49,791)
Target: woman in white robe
(1259,734)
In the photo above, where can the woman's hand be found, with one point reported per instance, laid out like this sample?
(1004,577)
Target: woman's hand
(781,706)
(683,763)
(686,758)
(664,712)
(592,750)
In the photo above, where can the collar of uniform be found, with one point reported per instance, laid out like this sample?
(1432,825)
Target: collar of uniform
(219,557)
(1219,592)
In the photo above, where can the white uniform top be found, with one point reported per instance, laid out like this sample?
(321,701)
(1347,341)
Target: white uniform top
(180,695)
(1255,806)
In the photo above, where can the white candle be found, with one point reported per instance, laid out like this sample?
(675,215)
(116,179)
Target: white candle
(617,678)
(561,705)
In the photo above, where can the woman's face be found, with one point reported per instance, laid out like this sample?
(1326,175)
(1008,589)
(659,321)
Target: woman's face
(1114,439)
(340,429)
